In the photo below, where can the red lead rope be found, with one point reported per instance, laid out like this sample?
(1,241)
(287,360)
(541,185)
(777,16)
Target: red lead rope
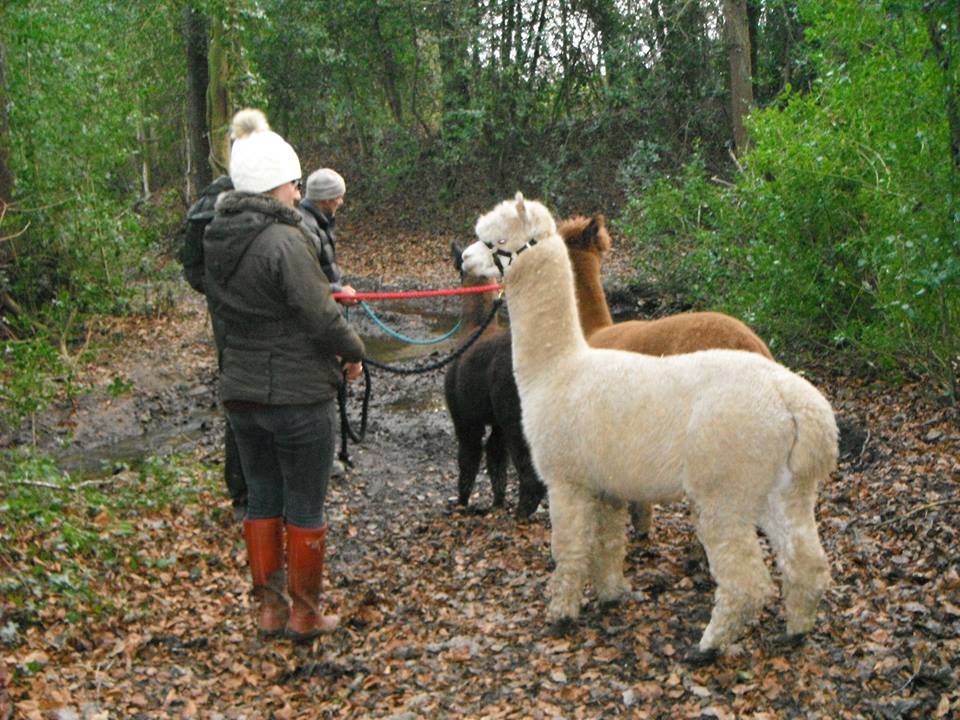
(418,293)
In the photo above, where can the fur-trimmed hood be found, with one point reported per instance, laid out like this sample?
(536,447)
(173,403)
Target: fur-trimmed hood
(237,201)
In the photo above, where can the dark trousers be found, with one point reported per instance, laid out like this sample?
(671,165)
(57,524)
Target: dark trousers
(233,469)
(287,452)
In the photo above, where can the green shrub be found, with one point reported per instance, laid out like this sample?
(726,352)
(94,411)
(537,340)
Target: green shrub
(842,230)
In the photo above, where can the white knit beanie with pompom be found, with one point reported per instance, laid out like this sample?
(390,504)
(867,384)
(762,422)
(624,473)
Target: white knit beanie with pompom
(260,160)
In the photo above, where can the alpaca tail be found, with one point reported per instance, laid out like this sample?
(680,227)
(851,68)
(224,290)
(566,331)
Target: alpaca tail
(814,452)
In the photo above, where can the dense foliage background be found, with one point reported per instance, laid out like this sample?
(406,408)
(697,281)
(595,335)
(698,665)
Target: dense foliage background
(832,228)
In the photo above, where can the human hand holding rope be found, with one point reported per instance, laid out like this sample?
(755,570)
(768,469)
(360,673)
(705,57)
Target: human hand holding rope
(352,370)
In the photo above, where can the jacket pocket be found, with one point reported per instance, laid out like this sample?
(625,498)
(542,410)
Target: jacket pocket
(246,375)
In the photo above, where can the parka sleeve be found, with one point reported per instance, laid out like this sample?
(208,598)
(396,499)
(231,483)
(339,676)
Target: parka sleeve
(309,296)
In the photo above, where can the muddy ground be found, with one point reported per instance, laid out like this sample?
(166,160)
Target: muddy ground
(443,612)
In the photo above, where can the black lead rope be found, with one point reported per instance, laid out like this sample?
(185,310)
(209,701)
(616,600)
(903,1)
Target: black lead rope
(347,432)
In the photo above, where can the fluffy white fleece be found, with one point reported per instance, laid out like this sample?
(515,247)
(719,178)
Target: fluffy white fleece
(744,438)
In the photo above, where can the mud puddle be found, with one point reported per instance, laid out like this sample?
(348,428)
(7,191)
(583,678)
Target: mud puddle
(174,420)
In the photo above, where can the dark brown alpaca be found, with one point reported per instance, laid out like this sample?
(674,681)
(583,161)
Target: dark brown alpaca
(481,390)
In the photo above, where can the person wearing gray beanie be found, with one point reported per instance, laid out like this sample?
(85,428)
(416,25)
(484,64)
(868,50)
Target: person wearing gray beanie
(285,347)
(323,196)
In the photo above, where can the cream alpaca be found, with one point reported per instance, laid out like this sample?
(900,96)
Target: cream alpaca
(744,438)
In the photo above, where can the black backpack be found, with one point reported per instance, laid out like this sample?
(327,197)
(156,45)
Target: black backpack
(190,235)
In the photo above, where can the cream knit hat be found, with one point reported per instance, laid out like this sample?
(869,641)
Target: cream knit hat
(260,160)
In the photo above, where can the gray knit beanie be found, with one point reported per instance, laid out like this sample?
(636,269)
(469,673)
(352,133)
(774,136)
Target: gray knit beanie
(325,184)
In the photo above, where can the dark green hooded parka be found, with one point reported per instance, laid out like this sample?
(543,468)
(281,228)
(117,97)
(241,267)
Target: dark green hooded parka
(282,331)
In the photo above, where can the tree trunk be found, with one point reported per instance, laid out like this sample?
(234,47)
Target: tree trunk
(538,41)
(453,58)
(737,34)
(753,24)
(144,142)
(391,75)
(199,174)
(218,99)
(6,172)
(943,29)
(607,21)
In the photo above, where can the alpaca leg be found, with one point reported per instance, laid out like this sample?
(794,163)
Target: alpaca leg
(743,582)
(573,522)
(497,465)
(531,490)
(609,550)
(792,530)
(641,517)
(469,452)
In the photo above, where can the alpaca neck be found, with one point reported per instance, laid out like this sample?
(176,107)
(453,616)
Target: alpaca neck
(475,307)
(591,300)
(543,308)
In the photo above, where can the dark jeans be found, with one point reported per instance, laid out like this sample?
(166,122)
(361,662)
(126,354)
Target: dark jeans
(233,470)
(287,452)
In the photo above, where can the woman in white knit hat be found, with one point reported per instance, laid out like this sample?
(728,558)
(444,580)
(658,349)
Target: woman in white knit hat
(280,367)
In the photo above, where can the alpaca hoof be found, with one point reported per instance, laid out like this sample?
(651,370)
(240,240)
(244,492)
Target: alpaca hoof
(701,658)
(524,512)
(562,628)
(789,641)
(606,606)
(615,593)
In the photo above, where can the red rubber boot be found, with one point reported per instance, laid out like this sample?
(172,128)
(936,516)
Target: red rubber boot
(305,554)
(265,554)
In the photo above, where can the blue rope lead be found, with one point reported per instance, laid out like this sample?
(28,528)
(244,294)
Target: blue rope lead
(404,338)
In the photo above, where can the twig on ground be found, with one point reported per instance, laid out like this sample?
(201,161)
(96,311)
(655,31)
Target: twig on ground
(54,486)
(920,509)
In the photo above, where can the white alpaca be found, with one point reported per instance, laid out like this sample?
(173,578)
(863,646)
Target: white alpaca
(744,438)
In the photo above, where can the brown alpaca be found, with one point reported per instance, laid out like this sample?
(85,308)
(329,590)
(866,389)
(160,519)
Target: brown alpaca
(587,241)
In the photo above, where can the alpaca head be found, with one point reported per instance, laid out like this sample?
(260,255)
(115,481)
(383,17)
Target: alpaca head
(583,233)
(504,232)
(456,254)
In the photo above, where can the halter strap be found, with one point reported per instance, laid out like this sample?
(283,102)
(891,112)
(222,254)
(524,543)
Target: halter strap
(500,252)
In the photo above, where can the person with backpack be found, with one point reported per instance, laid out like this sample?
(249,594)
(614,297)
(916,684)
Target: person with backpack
(286,346)
(191,257)
(198,217)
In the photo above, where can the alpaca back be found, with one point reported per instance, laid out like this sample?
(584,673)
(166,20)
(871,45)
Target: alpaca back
(643,428)
(684,333)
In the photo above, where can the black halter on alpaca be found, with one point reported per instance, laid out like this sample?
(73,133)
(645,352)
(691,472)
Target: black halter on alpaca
(500,252)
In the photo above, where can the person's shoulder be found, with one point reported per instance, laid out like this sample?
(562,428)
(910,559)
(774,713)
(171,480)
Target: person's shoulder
(285,237)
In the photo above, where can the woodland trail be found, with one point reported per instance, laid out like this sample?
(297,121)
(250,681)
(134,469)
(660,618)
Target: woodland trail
(442,609)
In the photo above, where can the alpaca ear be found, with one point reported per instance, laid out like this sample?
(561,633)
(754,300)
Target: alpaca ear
(602,240)
(521,208)
(590,231)
(456,253)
